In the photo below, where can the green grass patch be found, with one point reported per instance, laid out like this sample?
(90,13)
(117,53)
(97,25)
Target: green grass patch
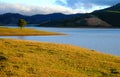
(24,32)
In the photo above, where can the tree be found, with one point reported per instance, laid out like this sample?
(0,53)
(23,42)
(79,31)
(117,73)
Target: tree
(22,23)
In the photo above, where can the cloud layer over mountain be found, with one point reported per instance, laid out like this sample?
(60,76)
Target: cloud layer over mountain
(63,6)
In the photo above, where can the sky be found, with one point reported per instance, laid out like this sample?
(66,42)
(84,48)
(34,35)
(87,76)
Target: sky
(32,7)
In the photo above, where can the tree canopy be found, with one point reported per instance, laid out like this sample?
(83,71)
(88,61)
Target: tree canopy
(22,23)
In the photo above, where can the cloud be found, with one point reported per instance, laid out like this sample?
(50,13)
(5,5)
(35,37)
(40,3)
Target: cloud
(74,3)
(31,10)
(87,4)
(62,6)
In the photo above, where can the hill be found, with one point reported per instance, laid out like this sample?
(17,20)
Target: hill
(85,20)
(111,15)
(20,58)
(12,18)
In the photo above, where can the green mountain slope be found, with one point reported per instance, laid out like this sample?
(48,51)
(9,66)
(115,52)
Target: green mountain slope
(110,15)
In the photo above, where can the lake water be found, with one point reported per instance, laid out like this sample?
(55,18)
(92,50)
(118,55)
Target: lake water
(102,40)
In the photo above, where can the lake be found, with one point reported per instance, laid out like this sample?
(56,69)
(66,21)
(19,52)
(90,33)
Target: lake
(102,40)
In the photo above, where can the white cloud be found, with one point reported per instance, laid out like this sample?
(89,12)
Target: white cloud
(31,10)
(73,3)
(47,9)
(62,6)
(87,5)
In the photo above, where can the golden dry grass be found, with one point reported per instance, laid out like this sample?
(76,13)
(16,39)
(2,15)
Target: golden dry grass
(20,58)
(24,32)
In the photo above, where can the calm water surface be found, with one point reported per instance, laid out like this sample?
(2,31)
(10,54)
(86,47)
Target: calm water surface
(103,40)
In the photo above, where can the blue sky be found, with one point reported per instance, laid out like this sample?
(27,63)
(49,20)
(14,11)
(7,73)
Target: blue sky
(31,7)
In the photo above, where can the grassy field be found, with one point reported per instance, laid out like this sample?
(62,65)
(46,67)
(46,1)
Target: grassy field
(20,58)
(24,32)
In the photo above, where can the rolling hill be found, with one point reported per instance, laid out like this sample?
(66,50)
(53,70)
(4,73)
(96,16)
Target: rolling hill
(110,15)
(12,18)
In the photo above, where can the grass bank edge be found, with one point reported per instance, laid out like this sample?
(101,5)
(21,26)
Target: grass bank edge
(5,31)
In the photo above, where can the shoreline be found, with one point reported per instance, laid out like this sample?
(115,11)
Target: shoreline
(68,27)
(26,32)
(32,34)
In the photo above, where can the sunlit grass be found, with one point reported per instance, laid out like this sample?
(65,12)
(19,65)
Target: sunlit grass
(20,58)
(24,32)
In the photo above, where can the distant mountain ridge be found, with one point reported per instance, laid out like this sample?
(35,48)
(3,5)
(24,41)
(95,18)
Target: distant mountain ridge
(108,17)
(12,18)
